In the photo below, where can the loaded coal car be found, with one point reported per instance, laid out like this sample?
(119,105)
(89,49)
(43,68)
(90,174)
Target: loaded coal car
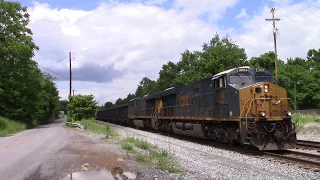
(116,115)
(238,105)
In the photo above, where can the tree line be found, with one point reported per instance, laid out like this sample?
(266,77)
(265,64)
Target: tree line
(222,53)
(26,94)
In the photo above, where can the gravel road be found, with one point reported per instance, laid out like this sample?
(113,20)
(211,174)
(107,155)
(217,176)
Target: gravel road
(22,153)
(53,152)
(206,162)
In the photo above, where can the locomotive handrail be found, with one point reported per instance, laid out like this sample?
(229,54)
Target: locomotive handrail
(243,107)
(248,112)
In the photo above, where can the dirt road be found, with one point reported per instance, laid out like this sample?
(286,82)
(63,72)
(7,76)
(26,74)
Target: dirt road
(53,151)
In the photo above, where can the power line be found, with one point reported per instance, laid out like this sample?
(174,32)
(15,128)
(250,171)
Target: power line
(52,71)
(301,13)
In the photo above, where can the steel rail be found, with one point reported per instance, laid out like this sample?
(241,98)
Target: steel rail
(300,158)
(309,144)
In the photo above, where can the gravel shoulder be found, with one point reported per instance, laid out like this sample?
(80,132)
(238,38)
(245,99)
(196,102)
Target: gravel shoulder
(309,132)
(206,162)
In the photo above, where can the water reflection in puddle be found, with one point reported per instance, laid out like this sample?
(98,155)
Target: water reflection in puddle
(97,175)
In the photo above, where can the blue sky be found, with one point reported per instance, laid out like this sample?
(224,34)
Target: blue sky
(116,46)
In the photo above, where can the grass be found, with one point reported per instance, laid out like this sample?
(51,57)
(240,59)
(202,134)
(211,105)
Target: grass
(304,118)
(151,156)
(69,119)
(128,147)
(10,127)
(138,143)
(159,160)
(91,126)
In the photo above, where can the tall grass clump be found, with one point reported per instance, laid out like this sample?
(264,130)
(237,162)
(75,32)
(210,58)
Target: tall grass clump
(138,142)
(159,160)
(92,126)
(126,146)
(10,127)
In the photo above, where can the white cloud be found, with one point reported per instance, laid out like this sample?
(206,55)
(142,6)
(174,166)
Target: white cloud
(297,34)
(132,38)
(215,8)
(242,14)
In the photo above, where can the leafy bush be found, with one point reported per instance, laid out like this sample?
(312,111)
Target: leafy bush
(82,106)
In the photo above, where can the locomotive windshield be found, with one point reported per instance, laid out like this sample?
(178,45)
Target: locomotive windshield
(261,78)
(241,80)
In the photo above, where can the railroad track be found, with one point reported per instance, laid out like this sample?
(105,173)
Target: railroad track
(308,145)
(303,160)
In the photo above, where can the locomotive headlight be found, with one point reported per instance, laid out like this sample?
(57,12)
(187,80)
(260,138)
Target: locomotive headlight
(262,114)
(266,88)
(289,113)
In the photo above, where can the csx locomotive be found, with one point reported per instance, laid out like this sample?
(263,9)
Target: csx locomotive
(238,105)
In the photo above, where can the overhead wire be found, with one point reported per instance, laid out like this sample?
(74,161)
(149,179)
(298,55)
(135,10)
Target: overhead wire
(303,12)
(53,72)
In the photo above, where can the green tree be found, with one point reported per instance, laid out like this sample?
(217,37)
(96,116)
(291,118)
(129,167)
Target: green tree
(108,105)
(167,75)
(82,106)
(219,55)
(266,60)
(63,105)
(146,86)
(26,94)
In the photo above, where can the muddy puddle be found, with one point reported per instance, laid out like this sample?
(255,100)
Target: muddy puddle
(115,174)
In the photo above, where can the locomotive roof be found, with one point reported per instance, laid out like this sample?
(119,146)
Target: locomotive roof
(229,70)
(166,92)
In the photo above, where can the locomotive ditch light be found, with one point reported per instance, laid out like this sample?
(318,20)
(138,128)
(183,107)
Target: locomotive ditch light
(289,113)
(266,88)
(262,114)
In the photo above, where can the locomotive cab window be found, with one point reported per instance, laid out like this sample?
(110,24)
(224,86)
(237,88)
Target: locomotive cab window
(261,78)
(220,82)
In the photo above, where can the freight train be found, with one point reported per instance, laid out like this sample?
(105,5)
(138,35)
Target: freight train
(240,105)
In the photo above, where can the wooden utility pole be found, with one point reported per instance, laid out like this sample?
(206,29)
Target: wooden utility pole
(73,92)
(70,73)
(275,40)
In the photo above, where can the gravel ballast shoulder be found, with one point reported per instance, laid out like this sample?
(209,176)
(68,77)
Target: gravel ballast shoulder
(309,132)
(206,162)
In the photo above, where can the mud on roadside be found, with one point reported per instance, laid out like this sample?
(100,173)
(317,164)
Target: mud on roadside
(90,152)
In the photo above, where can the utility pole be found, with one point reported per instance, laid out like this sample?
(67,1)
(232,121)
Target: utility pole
(70,73)
(73,92)
(274,39)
